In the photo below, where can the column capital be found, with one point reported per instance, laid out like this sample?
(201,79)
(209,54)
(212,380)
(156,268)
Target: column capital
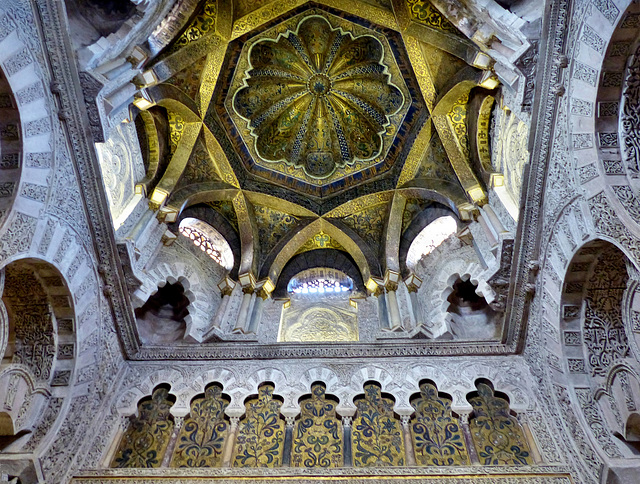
(226,286)
(413,282)
(264,288)
(247,280)
(125,421)
(391,280)
(375,285)
(178,422)
(463,417)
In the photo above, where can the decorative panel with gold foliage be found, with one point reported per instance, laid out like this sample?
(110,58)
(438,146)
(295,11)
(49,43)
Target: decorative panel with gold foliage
(320,241)
(376,432)
(202,437)
(497,436)
(423,12)
(145,442)
(437,438)
(317,435)
(319,322)
(260,439)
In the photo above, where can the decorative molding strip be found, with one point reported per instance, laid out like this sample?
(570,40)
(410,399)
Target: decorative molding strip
(527,248)
(435,475)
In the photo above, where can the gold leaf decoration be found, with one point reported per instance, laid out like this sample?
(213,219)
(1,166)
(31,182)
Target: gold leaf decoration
(145,442)
(497,435)
(317,435)
(377,433)
(437,437)
(423,12)
(320,241)
(204,432)
(326,323)
(260,440)
(273,225)
(318,98)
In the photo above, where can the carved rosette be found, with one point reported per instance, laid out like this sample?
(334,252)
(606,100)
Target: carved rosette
(318,98)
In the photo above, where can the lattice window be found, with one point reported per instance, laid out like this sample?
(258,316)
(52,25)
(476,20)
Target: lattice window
(429,238)
(320,281)
(209,240)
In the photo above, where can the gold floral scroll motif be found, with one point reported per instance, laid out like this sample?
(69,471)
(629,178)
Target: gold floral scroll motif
(317,435)
(437,437)
(145,442)
(497,436)
(202,437)
(319,323)
(260,440)
(376,432)
(423,12)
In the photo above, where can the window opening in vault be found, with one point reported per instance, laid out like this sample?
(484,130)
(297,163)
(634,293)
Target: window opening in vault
(209,240)
(429,238)
(320,280)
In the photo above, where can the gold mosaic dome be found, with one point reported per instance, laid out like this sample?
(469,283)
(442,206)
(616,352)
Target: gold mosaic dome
(318,98)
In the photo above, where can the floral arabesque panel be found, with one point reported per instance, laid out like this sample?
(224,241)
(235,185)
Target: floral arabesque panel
(377,433)
(317,435)
(260,440)
(203,435)
(437,437)
(145,442)
(497,436)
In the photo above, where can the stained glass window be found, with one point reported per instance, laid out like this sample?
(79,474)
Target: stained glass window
(429,238)
(209,240)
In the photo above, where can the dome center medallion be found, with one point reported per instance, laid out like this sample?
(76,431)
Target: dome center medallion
(319,84)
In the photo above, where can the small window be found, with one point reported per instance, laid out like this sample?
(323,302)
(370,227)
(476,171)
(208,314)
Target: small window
(429,238)
(320,281)
(209,240)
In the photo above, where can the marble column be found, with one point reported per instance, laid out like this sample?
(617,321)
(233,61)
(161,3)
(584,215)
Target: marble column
(395,321)
(288,442)
(413,283)
(230,442)
(408,441)
(463,421)
(346,439)
(256,314)
(243,314)
(177,425)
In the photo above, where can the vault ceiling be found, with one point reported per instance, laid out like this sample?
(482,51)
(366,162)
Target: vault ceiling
(312,125)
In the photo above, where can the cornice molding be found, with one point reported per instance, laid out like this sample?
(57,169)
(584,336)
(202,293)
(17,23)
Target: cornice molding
(73,115)
(527,246)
